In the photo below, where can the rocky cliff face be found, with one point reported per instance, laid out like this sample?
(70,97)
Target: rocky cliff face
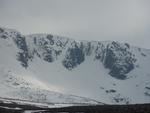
(115,56)
(119,60)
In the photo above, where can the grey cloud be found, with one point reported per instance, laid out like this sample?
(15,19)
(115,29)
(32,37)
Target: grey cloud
(121,20)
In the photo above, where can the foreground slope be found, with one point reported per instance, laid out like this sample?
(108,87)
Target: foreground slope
(7,106)
(39,65)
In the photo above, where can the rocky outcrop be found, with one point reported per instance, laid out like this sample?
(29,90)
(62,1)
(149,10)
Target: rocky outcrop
(119,60)
(74,56)
(22,55)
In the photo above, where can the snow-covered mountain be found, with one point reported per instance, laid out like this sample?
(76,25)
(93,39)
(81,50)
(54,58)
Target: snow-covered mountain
(52,69)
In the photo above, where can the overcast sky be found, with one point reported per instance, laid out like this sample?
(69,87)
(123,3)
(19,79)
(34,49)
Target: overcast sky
(119,20)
